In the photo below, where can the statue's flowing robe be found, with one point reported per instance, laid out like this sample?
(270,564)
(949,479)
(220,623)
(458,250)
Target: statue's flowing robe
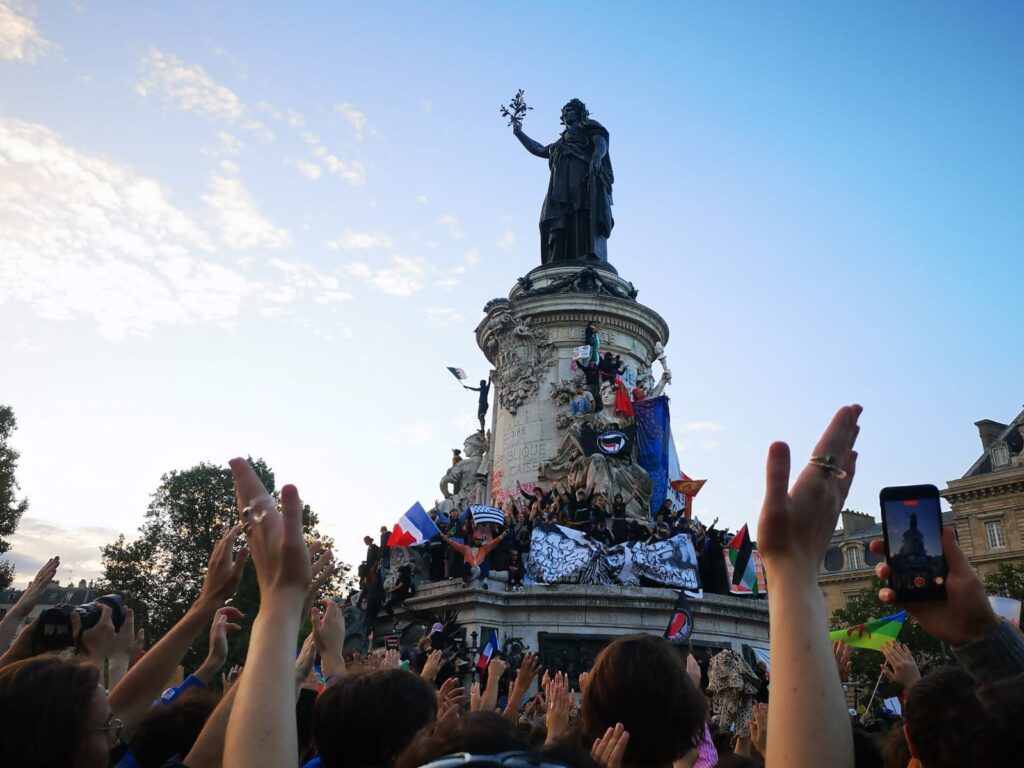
(566,209)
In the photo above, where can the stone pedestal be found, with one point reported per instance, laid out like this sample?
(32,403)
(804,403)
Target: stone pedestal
(529,339)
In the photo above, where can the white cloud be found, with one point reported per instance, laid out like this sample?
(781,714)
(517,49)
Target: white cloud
(421,199)
(237,218)
(354,173)
(444,316)
(81,236)
(351,240)
(189,87)
(308,169)
(472,256)
(36,541)
(404,277)
(229,143)
(702,426)
(301,279)
(451,223)
(19,38)
(507,241)
(354,117)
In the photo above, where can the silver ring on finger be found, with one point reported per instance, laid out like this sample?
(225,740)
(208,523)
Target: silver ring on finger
(829,464)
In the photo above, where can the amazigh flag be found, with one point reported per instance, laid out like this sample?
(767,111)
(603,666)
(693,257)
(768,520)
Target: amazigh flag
(741,555)
(488,652)
(871,634)
(458,373)
(415,527)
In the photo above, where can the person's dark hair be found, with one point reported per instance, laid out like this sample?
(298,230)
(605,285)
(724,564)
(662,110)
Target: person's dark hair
(43,701)
(478,733)
(895,752)
(641,682)
(866,753)
(364,720)
(953,721)
(367,539)
(172,729)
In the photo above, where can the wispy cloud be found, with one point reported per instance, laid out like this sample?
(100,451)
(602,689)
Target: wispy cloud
(451,223)
(444,316)
(237,218)
(354,117)
(403,277)
(19,38)
(508,241)
(702,426)
(307,168)
(36,541)
(351,240)
(472,256)
(190,87)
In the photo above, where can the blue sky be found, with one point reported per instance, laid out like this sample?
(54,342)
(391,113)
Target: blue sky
(257,228)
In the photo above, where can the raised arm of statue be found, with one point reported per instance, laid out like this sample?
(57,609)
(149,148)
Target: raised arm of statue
(533,147)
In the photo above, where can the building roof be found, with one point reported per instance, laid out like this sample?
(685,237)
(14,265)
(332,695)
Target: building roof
(1006,434)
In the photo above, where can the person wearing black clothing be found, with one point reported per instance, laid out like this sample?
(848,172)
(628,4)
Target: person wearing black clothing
(515,572)
(610,367)
(537,494)
(598,532)
(402,590)
(372,552)
(592,375)
(579,506)
(598,510)
(484,389)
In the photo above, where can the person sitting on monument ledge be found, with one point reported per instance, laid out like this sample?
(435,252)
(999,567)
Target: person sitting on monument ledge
(515,572)
(474,557)
(582,402)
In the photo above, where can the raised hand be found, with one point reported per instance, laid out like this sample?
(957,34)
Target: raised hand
(224,570)
(321,571)
(227,679)
(797,523)
(329,637)
(843,654)
(966,615)
(224,620)
(450,697)
(900,666)
(475,699)
(759,728)
(304,664)
(99,641)
(392,658)
(431,666)
(41,581)
(609,749)
(560,701)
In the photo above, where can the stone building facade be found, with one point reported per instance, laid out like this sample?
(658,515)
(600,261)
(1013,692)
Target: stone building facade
(988,501)
(987,510)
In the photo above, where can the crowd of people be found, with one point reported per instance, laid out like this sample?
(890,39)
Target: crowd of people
(103,699)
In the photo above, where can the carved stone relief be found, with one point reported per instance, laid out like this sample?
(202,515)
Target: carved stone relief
(522,356)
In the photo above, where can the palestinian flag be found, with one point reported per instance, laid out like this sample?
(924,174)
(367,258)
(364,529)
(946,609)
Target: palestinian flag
(741,555)
(871,634)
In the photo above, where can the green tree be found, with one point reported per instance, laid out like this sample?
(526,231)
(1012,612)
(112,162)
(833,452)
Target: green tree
(160,572)
(1006,580)
(11,507)
(865,606)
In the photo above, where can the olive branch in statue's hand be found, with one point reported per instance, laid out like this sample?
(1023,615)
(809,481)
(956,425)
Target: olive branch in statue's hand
(515,110)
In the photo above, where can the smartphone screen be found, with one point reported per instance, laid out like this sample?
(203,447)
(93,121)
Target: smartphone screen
(912,526)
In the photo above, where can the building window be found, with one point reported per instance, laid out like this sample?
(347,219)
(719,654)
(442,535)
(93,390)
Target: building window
(1000,455)
(996,534)
(853,559)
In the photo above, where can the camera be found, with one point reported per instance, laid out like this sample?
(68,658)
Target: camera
(53,632)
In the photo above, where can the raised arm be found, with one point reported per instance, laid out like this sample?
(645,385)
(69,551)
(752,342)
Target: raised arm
(21,609)
(794,530)
(533,147)
(132,698)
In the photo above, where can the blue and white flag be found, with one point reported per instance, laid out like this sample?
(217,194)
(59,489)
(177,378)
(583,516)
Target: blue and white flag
(485,514)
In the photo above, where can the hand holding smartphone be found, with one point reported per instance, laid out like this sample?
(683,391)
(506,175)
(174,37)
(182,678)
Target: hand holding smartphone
(912,527)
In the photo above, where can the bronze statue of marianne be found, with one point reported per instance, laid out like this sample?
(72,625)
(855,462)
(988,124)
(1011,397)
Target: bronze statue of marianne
(576,218)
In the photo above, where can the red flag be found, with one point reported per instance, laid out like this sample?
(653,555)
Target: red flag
(622,402)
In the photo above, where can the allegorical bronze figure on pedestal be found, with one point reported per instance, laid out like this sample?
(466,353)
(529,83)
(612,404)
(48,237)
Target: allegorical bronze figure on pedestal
(576,217)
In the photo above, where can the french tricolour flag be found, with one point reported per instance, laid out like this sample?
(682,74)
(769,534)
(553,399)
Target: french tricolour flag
(415,527)
(488,652)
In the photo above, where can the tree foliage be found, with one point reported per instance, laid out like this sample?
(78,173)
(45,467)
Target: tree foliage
(1006,580)
(11,507)
(865,606)
(160,572)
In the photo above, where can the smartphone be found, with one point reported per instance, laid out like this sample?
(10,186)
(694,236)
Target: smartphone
(912,527)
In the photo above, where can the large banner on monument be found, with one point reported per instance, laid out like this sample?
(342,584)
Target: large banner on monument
(560,555)
(653,433)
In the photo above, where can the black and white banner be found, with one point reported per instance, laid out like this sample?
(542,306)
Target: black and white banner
(564,556)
